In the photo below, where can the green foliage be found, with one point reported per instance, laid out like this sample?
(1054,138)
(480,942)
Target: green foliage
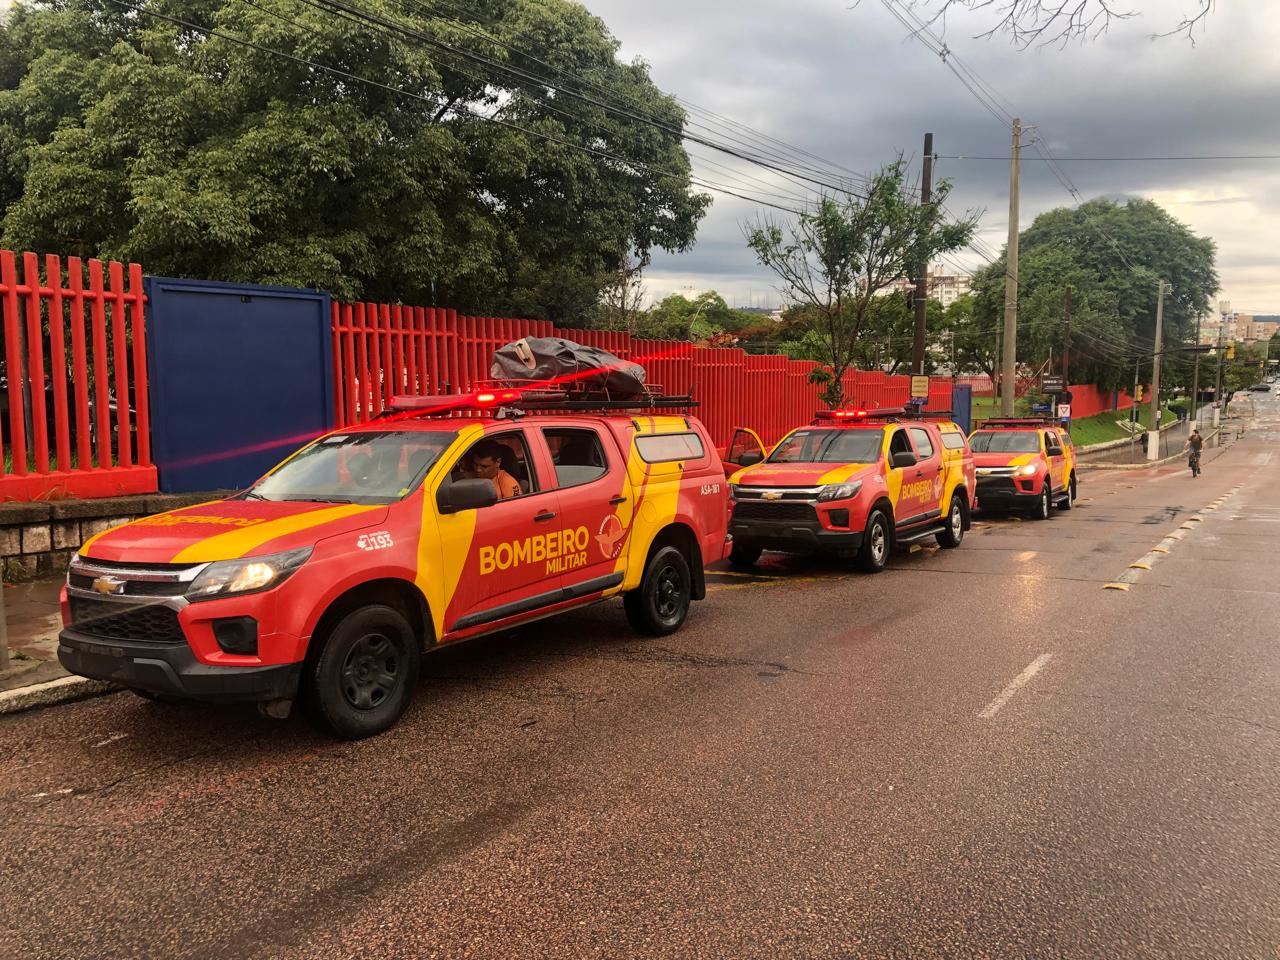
(127,136)
(1113,289)
(836,258)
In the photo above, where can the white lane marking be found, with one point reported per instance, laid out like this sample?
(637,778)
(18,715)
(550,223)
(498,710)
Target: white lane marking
(53,793)
(111,739)
(1017,684)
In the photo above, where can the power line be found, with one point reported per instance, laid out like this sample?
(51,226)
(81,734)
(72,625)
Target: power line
(1259,156)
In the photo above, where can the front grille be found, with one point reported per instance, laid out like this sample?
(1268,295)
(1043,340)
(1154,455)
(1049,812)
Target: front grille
(146,623)
(996,485)
(133,588)
(775,510)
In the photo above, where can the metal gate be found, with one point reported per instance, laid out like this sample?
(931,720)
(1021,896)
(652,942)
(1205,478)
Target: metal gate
(240,376)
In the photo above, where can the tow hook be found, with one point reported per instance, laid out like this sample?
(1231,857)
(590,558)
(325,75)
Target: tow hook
(276,709)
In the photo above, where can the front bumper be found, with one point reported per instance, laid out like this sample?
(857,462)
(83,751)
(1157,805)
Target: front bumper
(173,669)
(1003,493)
(794,537)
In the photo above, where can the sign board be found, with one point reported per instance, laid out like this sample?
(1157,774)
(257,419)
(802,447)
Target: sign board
(1040,408)
(1052,384)
(920,388)
(1064,411)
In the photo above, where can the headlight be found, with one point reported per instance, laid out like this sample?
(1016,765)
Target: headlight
(1028,471)
(246,575)
(839,491)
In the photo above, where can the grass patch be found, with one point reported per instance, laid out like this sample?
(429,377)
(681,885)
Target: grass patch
(1103,427)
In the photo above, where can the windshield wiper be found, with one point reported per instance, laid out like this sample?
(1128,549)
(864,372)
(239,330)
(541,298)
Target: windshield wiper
(250,495)
(319,500)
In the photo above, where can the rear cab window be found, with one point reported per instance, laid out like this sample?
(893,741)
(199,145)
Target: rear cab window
(953,440)
(923,442)
(577,455)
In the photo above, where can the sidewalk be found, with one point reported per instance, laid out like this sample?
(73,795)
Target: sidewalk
(34,621)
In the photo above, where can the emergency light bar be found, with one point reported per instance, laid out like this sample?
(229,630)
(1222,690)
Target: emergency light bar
(888,413)
(447,403)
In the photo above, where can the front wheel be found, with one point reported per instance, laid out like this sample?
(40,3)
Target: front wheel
(1044,504)
(874,552)
(660,604)
(950,536)
(365,675)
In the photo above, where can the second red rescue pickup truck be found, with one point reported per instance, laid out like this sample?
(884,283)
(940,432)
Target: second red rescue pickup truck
(856,484)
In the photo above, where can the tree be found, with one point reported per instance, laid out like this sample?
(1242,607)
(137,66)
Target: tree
(432,178)
(678,317)
(621,297)
(836,257)
(1035,22)
(1111,255)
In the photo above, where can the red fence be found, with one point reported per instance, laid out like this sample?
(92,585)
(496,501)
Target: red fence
(71,351)
(382,350)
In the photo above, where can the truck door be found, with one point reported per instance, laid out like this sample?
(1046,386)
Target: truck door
(928,475)
(745,440)
(1057,464)
(595,498)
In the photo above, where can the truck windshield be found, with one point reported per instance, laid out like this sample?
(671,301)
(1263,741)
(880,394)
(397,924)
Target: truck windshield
(365,467)
(1005,441)
(829,446)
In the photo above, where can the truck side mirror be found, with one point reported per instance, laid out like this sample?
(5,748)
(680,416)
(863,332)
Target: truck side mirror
(902,458)
(1053,452)
(750,459)
(470,494)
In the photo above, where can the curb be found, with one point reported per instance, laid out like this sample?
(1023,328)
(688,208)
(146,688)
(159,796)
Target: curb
(52,693)
(1146,464)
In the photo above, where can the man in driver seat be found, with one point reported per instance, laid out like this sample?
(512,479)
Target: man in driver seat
(485,463)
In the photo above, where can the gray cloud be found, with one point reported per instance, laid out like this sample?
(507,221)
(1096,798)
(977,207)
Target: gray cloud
(846,84)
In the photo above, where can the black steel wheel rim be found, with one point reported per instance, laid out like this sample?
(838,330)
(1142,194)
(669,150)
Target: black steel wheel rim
(371,671)
(668,593)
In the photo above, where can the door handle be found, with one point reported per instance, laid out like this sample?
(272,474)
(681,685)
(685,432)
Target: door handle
(617,500)
(919,473)
(545,515)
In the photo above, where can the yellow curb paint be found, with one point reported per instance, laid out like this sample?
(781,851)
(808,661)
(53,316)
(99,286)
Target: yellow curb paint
(1159,549)
(1139,566)
(1116,586)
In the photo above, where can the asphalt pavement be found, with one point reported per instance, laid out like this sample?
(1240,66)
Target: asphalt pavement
(1024,747)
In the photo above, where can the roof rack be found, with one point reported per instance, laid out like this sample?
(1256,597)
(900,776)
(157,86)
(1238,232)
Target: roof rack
(507,400)
(1020,421)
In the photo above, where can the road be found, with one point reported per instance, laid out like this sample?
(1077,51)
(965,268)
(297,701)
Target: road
(983,752)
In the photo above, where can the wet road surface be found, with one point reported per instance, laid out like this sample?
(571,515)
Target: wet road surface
(980,752)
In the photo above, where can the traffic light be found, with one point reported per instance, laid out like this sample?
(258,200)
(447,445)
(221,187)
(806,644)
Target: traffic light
(1231,350)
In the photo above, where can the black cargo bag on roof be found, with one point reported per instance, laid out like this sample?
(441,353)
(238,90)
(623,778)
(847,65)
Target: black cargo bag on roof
(570,364)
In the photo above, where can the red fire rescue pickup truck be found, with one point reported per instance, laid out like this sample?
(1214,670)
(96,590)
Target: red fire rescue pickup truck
(458,516)
(854,483)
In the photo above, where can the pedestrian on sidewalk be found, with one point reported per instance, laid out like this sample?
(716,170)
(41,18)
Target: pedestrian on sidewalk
(1192,448)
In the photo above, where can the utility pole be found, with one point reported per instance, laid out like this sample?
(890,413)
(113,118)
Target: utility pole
(1008,377)
(1195,377)
(1066,338)
(1153,447)
(922,269)
(1217,393)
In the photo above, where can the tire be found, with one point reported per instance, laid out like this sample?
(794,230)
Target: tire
(1070,502)
(874,552)
(660,604)
(1043,509)
(953,534)
(365,674)
(744,555)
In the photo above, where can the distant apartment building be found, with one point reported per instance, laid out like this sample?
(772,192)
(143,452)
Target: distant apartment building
(944,286)
(1231,325)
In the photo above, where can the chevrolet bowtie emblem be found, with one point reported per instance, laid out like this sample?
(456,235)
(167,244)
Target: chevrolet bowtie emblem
(771,495)
(108,585)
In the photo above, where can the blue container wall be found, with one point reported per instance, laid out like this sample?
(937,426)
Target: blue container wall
(241,375)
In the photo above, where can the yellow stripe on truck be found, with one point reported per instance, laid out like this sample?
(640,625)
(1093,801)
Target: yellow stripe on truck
(236,543)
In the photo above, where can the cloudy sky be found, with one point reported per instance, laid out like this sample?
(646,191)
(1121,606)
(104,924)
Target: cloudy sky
(842,80)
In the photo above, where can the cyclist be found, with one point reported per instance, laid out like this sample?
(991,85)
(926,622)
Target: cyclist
(1194,444)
